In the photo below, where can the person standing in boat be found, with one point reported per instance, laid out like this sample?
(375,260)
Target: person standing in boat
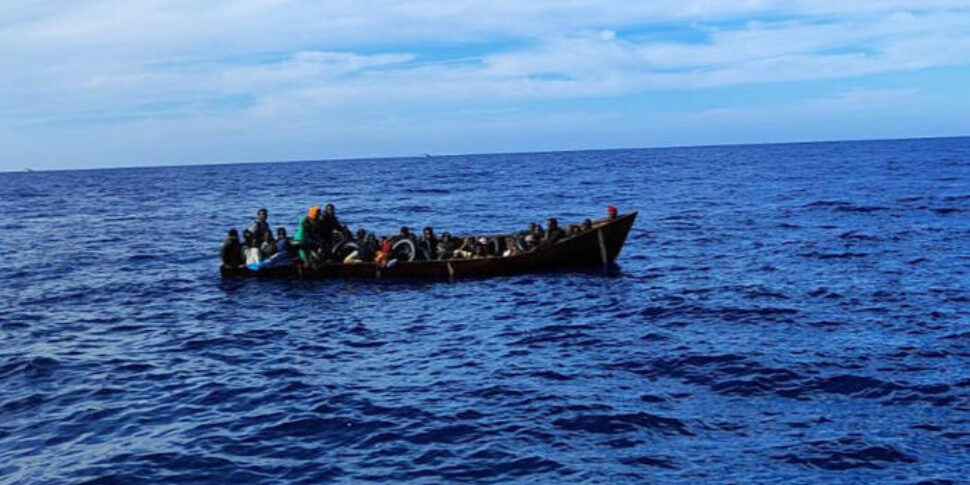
(329,224)
(306,233)
(260,228)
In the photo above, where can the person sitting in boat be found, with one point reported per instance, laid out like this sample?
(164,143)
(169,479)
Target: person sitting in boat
(481,251)
(535,230)
(358,242)
(367,248)
(487,244)
(260,228)
(268,247)
(383,256)
(553,233)
(428,244)
(405,234)
(445,248)
(232,251)
(284,245)
(529,243)
(511,247)
(466,250)
(250,248)
(587,225)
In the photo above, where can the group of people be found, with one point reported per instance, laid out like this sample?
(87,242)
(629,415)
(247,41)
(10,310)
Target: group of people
(322,239)
(258,246)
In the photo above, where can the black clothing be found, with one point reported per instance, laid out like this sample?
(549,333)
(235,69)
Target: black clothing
(317,236)
(428,248)
(232,255)
(367,251)
(259,230)
(553,236)
(328,225)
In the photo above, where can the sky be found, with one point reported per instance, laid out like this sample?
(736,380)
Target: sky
(94,83)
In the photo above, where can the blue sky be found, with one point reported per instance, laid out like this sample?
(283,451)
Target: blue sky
(94,83)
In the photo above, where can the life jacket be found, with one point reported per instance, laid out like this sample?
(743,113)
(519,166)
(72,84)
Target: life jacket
(382,256)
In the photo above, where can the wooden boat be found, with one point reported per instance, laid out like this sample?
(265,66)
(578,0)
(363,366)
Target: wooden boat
(594,247)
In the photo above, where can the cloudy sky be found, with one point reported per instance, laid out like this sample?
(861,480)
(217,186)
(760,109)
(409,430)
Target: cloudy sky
(91,83)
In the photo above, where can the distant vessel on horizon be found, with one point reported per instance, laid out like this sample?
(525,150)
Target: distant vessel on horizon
(28,170)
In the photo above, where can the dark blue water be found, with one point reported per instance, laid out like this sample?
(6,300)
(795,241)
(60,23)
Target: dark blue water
(786,313)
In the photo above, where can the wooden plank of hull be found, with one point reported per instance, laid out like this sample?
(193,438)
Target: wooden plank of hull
(595,247)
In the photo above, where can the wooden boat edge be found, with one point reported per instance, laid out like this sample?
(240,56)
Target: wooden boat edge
(598,246)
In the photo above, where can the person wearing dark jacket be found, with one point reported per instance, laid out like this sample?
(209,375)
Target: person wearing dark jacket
(329,223)
(428,244)
(553,233)
(259,227)
(232,255)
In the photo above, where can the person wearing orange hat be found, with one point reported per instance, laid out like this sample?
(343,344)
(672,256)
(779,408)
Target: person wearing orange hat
(305,233)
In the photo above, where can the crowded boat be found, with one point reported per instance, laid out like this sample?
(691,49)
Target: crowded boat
(321,239)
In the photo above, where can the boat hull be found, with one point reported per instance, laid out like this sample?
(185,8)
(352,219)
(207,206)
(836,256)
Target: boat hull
(599,246)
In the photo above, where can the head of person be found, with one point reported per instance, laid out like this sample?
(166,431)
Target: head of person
(446,237)
(611,212)
(247,236)
(552,224)
(530,241)
(261,215)
(313,213)
(532,227)
(361,234)
(386,245)
(370,239)
(428,232)
(535,229)
(330,210)
(280,232)
(234,234)
(405,232)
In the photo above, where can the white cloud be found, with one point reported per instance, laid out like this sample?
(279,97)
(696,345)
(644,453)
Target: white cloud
(243,62)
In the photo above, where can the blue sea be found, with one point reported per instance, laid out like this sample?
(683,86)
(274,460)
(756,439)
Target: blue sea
(795,313)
